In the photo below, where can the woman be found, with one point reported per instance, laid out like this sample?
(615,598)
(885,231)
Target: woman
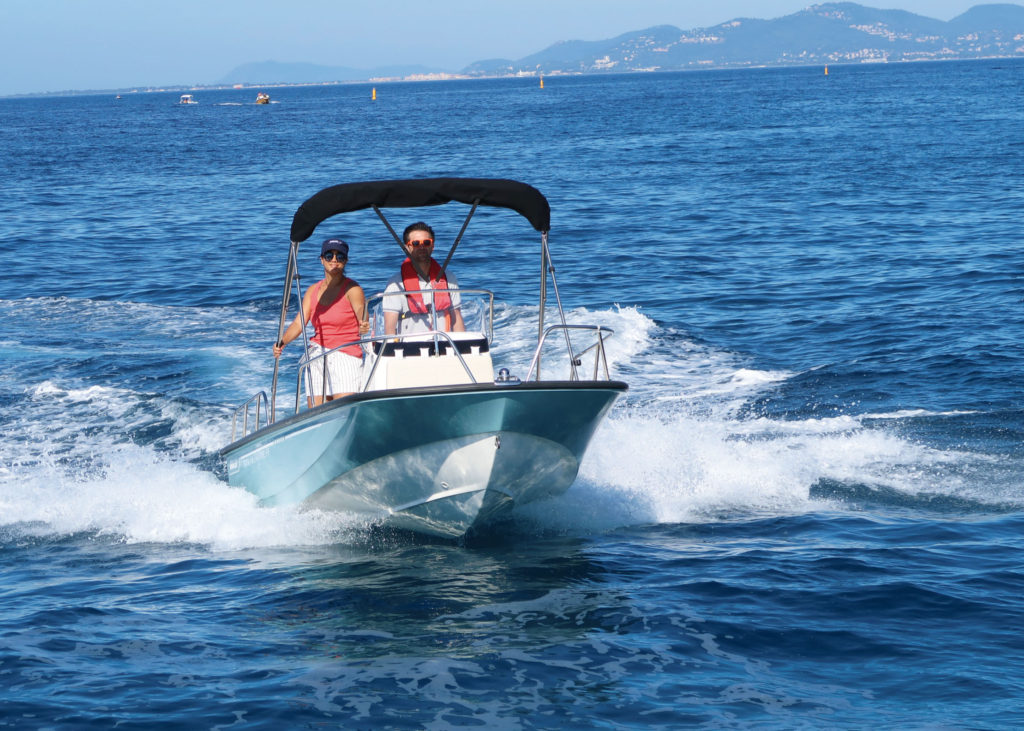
(337,307)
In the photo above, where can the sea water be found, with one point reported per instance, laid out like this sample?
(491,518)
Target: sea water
(807,511)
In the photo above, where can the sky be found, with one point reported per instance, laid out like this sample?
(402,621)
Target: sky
(59,45)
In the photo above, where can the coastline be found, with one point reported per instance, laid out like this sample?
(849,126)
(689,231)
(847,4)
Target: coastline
(441,76)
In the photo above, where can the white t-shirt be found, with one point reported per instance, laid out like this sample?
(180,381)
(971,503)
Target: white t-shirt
(407,321)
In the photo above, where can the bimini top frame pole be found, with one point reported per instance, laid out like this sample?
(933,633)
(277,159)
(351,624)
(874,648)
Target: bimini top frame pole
(548,267)
(291,278)
(455,244)
(289,274)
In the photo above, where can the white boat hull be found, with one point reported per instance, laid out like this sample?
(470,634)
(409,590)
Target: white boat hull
(441,463)
(445,488)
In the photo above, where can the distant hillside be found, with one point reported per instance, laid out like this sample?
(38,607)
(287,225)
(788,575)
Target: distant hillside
(827,33)
(272,72)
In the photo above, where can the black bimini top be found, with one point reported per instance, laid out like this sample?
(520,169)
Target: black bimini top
(519,197)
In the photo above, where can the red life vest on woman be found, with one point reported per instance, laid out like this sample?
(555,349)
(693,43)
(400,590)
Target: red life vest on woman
(411,282)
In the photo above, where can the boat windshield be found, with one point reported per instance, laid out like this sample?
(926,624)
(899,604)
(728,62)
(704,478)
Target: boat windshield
(476,306)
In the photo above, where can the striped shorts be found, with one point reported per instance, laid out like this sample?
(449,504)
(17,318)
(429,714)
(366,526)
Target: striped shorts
(344,372)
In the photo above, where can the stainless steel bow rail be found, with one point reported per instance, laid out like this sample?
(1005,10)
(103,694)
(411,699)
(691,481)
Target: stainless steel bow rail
(575,359)
(259,398)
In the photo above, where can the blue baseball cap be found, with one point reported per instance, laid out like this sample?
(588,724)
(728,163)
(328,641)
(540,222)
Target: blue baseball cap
(334,245)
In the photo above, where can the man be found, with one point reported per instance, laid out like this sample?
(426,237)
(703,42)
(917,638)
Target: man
(418,311)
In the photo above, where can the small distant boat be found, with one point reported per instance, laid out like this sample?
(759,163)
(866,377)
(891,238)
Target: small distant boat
(187,99)
(263,98)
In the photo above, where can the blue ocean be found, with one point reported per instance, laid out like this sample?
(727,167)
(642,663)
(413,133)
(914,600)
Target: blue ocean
(806,512)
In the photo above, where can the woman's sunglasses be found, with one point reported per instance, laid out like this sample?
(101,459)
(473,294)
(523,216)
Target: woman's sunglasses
(332,256)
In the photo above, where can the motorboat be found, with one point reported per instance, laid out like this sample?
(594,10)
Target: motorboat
(444,438)
(187,99)
(263,98)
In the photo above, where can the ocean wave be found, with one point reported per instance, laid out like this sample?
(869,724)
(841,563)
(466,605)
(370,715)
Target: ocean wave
(678,448)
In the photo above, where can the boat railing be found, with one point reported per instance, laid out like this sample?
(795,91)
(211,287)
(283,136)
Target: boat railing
(477,309)
(260,405)
(475,305)
(575,359)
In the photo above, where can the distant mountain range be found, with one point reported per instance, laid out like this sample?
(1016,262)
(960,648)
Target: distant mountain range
(821,34)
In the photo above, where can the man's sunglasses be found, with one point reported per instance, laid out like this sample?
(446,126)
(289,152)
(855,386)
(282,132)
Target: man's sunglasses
(332,256)
(422,242)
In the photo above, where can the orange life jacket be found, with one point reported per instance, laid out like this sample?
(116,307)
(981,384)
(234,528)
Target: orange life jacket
(411,282)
